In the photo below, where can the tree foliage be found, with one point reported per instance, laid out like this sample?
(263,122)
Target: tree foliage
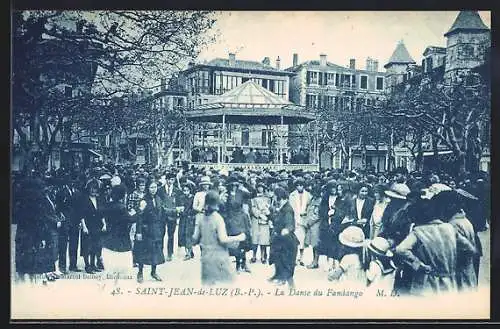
(101,55)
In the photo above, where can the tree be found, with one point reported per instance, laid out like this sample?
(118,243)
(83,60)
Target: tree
(113,52)
(452,112)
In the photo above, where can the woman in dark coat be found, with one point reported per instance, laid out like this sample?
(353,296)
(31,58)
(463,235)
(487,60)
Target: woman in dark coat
(332,211)
(284,243)
(36,220)
(150,232)
(119,221)
(238,221)
(186,220)
(93,225)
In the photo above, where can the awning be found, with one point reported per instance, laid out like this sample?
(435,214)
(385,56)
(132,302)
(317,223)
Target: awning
(95,153)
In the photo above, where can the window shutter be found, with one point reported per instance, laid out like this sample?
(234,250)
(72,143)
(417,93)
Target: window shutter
(308,77)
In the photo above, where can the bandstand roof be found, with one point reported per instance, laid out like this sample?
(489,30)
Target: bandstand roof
(250,103)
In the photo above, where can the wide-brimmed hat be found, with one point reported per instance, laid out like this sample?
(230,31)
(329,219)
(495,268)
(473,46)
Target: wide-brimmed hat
(352,236)
(398,191)
(435,189)
(205,180)
(466,194)
(115,181)
(380,247)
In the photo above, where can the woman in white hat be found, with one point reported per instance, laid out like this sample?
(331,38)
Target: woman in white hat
(351,268)
(199,197)
(381,269)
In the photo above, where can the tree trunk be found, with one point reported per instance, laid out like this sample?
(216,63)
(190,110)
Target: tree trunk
(420,153)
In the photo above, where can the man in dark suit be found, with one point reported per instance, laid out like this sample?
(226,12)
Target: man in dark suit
(284,243)
(167,193)
(69,230)
(361,207)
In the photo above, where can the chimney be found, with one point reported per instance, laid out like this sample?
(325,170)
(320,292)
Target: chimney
(322,60)
(266,61)
(278,61)
(232,59)
(375,65)
(369,63)
(295,59)
(352,64)
(163,84)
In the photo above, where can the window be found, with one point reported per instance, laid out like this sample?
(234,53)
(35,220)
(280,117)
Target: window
(218,84)
(68,92)
(429,65)
(279,87)
(225,85)
(466,51)
(323,79)
(331,79)
(337,79)
(312,77)
(345,80)
(380,83)
(267,136)
(265,83)
(330,101)
(311,101)
(245,137)
(363,84)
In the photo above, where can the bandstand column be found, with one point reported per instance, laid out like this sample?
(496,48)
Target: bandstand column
(280,152)
(223,148)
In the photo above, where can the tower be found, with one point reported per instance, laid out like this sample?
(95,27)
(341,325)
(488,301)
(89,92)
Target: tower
(398,64)
(467,43)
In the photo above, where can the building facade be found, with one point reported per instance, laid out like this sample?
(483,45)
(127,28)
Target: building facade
(320,85)
(206,82)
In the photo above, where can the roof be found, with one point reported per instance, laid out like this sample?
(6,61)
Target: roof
(243,64)
(434,49)
(250,103)
(467,20)
(400,56)
(316,63)
(240,65)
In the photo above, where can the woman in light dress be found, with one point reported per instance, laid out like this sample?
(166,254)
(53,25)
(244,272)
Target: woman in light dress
(210,233)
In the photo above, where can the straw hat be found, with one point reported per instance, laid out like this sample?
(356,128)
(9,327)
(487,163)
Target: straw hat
(398,191)
(352,236)
(205,180)
(380,247)
(115,181)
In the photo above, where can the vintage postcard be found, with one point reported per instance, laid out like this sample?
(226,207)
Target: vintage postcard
(250,165)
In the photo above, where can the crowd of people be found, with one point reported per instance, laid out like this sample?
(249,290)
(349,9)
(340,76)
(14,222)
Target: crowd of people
(252,155)
(414,233)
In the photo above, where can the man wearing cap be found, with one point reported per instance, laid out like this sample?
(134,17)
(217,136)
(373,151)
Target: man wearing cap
(299,200)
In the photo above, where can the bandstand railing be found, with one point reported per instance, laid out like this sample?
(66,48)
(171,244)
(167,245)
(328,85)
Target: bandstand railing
(256,166)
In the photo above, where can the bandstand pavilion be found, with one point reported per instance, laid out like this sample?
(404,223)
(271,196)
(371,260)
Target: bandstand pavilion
(248,104)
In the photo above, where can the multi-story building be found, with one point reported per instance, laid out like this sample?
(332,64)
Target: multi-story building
(467,44)
(322,85)
(398,65)
(207,81)
(467,48)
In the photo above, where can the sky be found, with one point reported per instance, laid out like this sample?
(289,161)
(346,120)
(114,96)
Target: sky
(341,35)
